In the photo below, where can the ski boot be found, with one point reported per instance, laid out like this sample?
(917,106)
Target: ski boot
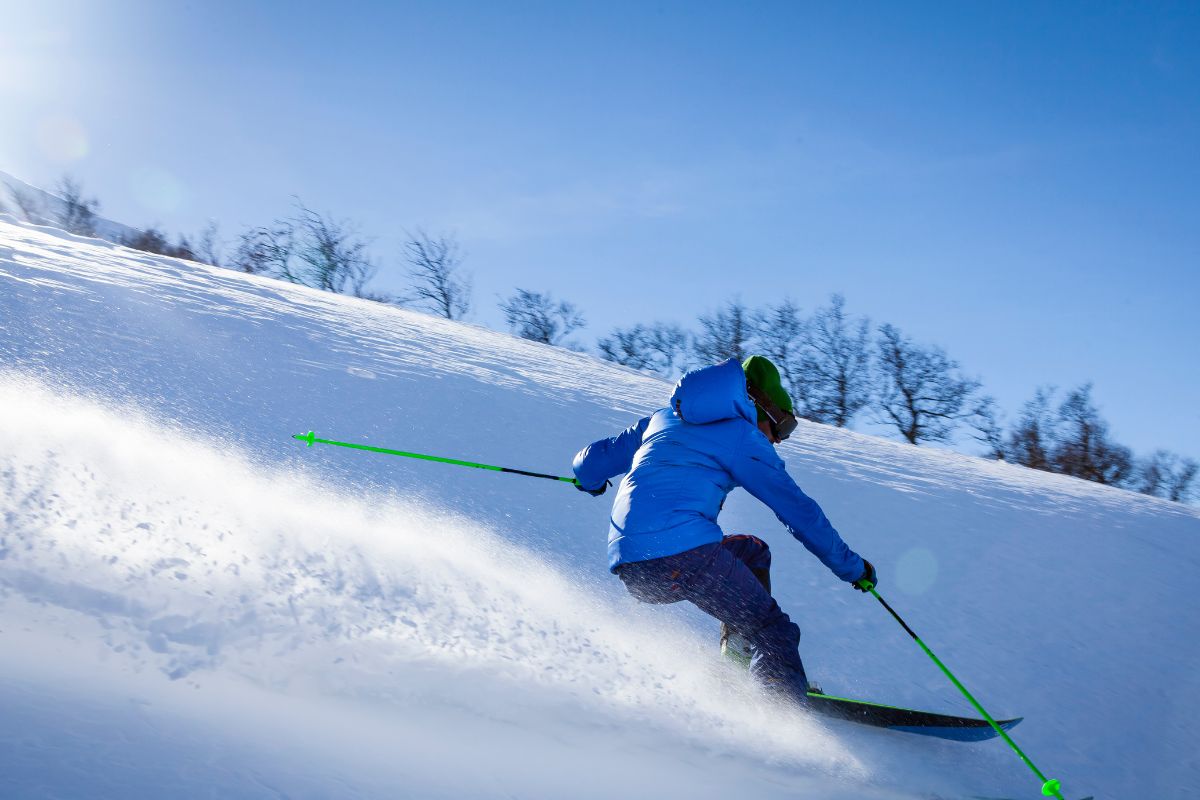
(735,647)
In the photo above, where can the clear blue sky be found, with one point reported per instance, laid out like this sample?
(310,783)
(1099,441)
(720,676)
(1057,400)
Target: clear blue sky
(1017,182)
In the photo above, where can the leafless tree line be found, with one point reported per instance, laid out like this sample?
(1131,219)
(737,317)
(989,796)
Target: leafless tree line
(318,250)
(73,213)
(537,316)
(305,247)
(835,366)
(837,369)
(829,362)
(1072,438)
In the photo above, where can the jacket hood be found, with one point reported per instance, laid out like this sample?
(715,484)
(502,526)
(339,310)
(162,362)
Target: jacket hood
(713,394)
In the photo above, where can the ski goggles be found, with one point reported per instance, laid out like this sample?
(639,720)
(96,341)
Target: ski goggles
(783,423)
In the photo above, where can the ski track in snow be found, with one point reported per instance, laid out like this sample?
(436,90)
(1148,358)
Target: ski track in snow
(178,575)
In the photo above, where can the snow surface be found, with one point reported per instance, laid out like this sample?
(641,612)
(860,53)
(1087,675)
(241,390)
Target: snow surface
(193,604)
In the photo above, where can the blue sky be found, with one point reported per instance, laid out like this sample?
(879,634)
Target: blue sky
(1015,182)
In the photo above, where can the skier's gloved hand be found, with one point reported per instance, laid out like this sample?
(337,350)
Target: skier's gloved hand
(868,581)
(594,492)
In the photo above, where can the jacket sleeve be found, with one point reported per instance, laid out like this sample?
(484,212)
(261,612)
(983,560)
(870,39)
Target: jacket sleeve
(605,458)
(760,470)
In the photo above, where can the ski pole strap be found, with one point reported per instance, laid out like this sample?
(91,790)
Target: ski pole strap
(1050,787)
(309,439)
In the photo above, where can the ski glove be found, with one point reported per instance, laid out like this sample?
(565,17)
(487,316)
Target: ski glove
(594,492)
(867,582)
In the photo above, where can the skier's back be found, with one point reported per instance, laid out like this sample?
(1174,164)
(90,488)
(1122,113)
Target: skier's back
(679,464)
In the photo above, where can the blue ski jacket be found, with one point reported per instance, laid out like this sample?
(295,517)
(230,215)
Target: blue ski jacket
(682,461)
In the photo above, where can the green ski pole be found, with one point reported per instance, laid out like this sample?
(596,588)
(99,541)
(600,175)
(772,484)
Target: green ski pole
(309,439)
(1050,787)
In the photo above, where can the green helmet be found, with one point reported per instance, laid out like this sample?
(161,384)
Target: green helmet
(763,375)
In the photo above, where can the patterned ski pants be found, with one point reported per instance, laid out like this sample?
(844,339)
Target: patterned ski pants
(730,580)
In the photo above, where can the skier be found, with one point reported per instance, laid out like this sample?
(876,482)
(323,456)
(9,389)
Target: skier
(680,463)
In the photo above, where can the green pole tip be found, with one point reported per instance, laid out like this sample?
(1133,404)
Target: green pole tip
(307,438)
(1052,788)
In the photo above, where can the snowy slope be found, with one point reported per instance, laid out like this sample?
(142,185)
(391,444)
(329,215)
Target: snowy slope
(50,206)
(192,603)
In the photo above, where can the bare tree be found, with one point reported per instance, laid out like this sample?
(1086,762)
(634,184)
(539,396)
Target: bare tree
(1084,449)
(77,214)
(183,248)
(836,365)
(330,254)
(1167,475)
(150,240)
(660,348)
(208,245)
(29,205)
(268,251)
(988,430)
(1182,485)
(920,391)
(310,249)
(727,333)
(1035,434)
(153,240)
(438,284)
(781,334)
(382,297)
(670,347)
(536,316)
(626,347)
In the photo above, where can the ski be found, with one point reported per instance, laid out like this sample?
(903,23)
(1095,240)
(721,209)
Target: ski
(924,723)
(736,649)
